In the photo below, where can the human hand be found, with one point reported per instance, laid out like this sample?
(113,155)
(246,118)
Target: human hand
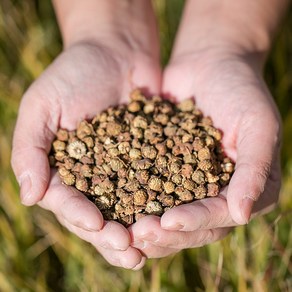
(83,80)
(229,88)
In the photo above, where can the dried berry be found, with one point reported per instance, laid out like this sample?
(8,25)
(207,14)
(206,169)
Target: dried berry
(143,158)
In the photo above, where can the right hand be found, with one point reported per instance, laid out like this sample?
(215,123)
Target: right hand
(85,79)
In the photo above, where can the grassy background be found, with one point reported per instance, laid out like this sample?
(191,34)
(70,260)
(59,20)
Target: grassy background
(37,254)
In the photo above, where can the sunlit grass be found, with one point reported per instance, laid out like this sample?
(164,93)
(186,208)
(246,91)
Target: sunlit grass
(37,254)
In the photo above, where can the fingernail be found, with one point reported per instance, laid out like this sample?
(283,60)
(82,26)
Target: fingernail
(140,244)
(246,208)
(109,245)
(25,187)
(174,227)
(140,265)
(150,237)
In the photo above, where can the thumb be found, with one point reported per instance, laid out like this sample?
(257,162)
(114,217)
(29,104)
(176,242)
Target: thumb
(31,144)
(257,147)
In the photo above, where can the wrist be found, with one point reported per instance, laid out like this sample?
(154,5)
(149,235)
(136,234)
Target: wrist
(239,27)
(120,25)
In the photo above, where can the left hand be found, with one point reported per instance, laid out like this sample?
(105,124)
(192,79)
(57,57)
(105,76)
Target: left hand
(229,88)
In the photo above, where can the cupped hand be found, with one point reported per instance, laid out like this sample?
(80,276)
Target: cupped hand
(229,88)
(82,81)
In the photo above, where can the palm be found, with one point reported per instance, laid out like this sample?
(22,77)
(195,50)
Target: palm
(235,97)
(81,82)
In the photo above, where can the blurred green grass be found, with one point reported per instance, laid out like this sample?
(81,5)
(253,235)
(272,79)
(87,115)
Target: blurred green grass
(37,254)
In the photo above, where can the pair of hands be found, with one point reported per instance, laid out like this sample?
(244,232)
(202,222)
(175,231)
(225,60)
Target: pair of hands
(85,79)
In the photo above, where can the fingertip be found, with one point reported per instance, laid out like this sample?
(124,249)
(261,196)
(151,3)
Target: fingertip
(32,188)
(140,265)
(246,209)
(82,213)
(241,214)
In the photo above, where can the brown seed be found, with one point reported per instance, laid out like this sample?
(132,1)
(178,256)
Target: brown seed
(142,176)
(124,147)
(132,186)
(169,143)
(135,154)
(155,183)
(62,135)
(187,170)
(142,164)
(68,179)
(76,149)
(198,144)
(186,105)
(69,162)
(154,208)
(88,141)
(116,164)
(205,165)
(166,200)
(140,122)
(81,184)
(168,187)
(60,156)
(190,158)
(200,192)
(113,129)
(214,132)
(113,152)
(228,167)
(149,151)
(189,185)
(59,145)
(213,190)
(134,107)
(211,178)
(161,148)
(105,201)
(86,170)
(175,167)
(107,186)
(184,195)
(87,160)
(161,119)
(137,132)
(198,177)
(177,179)
(170,130)
(204,154)
(63,171)
(84,129)
(137,95)
(149,107)
(140,197)
(224,179)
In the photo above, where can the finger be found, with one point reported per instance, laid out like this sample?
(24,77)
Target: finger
(152,251)
(116,254)
(148,229)
(203,214)
(104,238)
(128,259)
(256,147)
(70,204)
(31,143)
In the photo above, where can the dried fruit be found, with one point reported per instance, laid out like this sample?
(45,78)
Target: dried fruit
(143,158)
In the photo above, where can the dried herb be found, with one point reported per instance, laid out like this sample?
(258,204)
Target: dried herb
(143,158)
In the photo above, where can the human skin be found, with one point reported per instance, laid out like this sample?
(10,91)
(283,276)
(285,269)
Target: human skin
(218,59)
(220,68)
(97,68)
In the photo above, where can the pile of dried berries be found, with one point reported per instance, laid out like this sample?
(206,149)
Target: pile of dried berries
(143,158)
